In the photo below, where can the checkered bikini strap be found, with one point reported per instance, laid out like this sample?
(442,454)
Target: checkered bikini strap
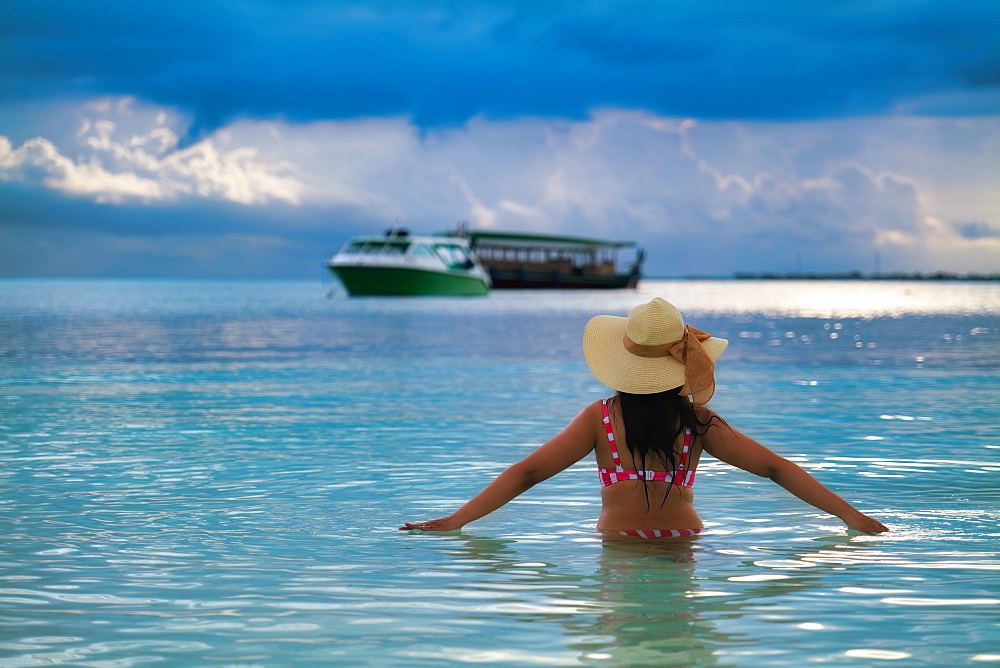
(685,450)
(611,436)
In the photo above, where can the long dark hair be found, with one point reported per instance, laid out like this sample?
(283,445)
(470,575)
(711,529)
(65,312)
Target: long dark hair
(653,423)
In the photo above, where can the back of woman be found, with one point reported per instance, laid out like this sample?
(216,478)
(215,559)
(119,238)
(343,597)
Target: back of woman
(648,438)
(648,463)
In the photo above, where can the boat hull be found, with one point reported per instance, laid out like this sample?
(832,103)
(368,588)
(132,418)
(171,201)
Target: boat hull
(373,281)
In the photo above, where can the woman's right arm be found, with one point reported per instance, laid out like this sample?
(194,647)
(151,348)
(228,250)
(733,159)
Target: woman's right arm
(727,444)
(571,445)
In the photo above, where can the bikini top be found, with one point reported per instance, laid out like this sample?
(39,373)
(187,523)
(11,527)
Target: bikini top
(682,476)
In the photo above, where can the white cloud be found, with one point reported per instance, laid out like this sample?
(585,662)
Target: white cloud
(38,159)
(920,192)
(147,167)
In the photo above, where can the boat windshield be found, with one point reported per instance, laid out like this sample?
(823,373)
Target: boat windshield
(455,257)
(377,247)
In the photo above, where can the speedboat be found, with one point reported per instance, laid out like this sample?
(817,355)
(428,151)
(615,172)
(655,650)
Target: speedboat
(398,263)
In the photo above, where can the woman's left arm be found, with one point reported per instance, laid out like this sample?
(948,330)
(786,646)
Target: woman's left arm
(570,446)
(797,480)
(725,443)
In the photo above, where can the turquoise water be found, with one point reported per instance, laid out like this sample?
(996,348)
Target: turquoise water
(212,473)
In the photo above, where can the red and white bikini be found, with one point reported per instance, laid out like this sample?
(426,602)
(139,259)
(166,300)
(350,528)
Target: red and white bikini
(681,476)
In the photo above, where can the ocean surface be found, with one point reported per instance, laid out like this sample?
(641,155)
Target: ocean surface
(212,473)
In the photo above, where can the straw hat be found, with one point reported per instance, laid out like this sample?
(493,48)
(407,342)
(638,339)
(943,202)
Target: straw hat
(652,350)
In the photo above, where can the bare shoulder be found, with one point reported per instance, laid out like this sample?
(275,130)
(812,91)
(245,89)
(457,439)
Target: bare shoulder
(718,432)
(716,428)
(591,416)
(585,424)
(567,447)
(724,442)
(705,414)
(594,408)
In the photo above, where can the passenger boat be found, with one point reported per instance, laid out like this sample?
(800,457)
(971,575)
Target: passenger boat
(516,260)
(397,263)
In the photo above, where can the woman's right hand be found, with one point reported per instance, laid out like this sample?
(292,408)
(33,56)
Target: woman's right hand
(443,524)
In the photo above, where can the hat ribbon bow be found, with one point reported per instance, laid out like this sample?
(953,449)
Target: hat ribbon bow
(699,370)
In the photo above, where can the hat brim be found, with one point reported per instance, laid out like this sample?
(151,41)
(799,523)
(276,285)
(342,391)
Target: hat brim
(620,370)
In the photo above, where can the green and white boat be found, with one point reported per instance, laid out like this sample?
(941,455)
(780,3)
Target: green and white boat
(398,264)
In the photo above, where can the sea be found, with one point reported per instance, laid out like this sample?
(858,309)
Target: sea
(213,473)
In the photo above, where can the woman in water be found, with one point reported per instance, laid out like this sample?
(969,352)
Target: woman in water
(649,437)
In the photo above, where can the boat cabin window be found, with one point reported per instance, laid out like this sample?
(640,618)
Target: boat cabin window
(376,247)
(420,250)
(455,257)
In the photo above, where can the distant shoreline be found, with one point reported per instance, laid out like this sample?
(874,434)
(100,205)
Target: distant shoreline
(844,276)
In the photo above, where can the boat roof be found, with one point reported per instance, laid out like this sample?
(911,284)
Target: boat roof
(486,237)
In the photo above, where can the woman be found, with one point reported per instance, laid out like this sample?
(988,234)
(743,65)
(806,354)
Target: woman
(649,437)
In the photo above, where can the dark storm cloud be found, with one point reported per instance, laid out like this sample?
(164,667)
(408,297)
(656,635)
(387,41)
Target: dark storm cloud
(42,235)
(442,62)
(977,230)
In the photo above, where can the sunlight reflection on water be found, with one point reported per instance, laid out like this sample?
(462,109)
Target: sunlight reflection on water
(203,473)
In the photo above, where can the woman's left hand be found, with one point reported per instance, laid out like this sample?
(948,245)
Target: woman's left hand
(861,522)
(443,524)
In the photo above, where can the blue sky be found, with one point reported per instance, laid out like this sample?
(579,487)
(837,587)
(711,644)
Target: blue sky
(250,138)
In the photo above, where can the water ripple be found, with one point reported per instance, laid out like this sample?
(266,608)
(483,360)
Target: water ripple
(189,479)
